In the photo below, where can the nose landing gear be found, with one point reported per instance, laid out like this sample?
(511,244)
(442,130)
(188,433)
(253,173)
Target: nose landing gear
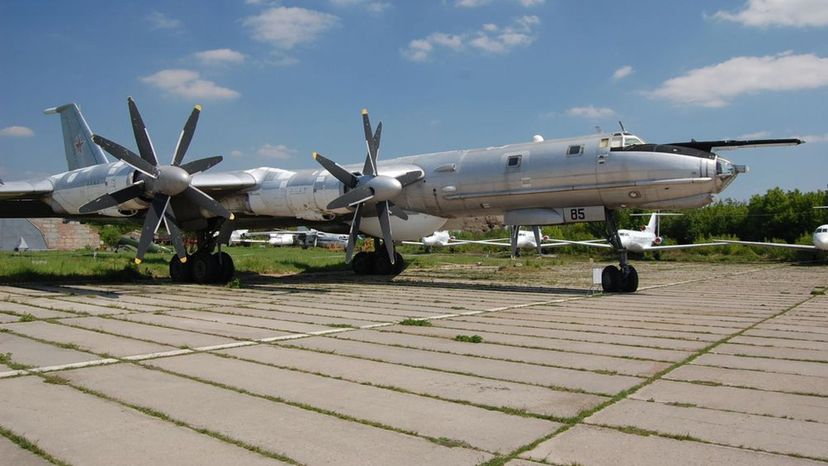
(623,278)
(377,262)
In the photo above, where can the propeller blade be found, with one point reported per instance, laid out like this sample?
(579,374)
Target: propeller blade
(114,198)
(152,220)
(396,211)
(141,135)
(175,234)
(122,153)
(410,177)
(352,197)
(370,167)
(536,231)
(385,225)
(373,148)
(186,136)
(347,178)
(197,197)
(352,236)
(201,165)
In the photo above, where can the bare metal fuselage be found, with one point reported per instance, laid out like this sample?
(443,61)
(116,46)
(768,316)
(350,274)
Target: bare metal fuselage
(531,177)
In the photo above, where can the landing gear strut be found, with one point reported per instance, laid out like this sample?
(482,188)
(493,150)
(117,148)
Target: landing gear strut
(623,278)
(377,262)
(204,266)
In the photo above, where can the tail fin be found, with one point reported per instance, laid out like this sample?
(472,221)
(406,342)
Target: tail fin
(652,225)
(77,138)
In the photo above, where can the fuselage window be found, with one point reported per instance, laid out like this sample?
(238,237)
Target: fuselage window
(513,161)
(604,143)
(574,150)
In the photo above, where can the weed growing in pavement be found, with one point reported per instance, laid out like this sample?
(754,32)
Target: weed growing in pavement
(469,338)
(416,322)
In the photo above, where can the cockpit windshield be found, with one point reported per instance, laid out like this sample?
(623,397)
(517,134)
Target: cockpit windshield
(621,140)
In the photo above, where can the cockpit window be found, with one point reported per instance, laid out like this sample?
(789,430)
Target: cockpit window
(616,142)
(632,140)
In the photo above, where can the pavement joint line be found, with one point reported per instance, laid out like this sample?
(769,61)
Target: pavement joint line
(8,374)
(625,394)
(74,365)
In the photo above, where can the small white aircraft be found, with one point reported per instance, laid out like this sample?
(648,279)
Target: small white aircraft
(820,240)
(440,239)
(648,238)
(246,237)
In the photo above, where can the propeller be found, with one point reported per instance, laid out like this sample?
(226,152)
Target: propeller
(161,183)
(369,191)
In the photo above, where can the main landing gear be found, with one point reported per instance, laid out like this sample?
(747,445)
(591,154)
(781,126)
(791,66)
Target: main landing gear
(623,278)
(377,262)
(203,266)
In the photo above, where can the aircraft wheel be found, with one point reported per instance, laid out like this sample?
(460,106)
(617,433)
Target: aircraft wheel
(382,264)
(399,263)
(630,281)
(362,263)
(205,267)
(611,278)
(180,272)
(226,267)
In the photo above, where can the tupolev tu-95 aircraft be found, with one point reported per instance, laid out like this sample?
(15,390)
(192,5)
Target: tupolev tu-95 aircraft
(582,179)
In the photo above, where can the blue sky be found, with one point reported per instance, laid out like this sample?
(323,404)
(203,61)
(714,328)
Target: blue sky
(279,79)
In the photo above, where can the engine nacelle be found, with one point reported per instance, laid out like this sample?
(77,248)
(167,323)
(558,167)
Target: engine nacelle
(416,227)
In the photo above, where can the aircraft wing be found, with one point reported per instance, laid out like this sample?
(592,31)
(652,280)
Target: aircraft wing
(729,144)
(685,246)
(595,243)
(772,245)
(25,190)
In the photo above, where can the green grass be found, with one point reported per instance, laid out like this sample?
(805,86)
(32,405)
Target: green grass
(27,318)
(469,338)
(416,322)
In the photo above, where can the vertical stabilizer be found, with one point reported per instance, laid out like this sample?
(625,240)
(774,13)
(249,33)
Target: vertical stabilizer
(651,225)
(77,138)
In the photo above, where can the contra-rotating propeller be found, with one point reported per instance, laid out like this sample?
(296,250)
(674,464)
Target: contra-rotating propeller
(161,183)
(369,189)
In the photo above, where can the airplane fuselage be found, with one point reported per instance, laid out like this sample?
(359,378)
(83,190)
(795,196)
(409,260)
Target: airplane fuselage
(820,238)
(534,180)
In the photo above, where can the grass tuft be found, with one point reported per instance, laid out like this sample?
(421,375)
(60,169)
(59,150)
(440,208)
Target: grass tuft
(27,318)
(469,338)
(416,322)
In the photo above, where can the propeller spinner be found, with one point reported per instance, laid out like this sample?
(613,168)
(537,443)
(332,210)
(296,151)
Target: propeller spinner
(159,182)
(369,190)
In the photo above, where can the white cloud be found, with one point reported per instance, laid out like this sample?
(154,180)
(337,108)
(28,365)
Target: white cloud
(717,85)
(815,138)
(219,57)
(490,38)
(622,72)
(159,20)
(591,112)
(285,28)
(477,3)
(764,13)
(755,135)
(280,151)
(236,153)
(16,132)
(372,6)
(188,84)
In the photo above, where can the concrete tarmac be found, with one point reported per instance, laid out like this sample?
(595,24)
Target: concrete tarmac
(706,364)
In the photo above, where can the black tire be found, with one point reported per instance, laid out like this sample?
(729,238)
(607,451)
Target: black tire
(226,267)
(180,272)
(610,279)
(382,264)
(399,263)
(362,263)
(630,284)
(205,268)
